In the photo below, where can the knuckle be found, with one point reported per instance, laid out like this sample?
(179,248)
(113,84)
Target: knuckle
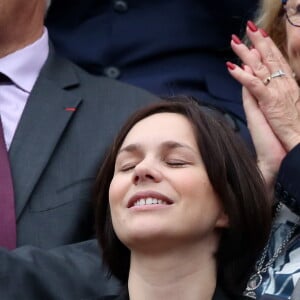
(254,83)
(269,57)
(258,67)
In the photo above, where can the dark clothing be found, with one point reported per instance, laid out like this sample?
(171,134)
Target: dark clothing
(287,187)
(69,121)
(219,295)
(168,47)
(278,282)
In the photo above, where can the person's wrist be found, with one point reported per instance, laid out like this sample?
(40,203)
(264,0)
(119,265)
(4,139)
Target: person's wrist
(269,173)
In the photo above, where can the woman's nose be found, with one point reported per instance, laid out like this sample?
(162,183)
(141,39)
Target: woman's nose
(146,171)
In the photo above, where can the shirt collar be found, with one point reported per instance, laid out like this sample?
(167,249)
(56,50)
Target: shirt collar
(23,66)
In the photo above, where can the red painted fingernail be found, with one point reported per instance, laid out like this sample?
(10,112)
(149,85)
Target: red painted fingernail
(230,65)
(236,39)
(263,32)
(252,26)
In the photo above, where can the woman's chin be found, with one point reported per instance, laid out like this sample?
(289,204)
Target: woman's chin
(148,238)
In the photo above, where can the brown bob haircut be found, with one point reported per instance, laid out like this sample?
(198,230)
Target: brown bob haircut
(234,177)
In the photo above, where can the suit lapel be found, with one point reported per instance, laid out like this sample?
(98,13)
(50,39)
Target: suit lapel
(43,121)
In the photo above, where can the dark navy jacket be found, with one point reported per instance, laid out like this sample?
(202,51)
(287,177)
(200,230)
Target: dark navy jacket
(165,46)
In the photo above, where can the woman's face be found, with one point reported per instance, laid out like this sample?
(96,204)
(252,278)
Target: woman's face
(160,191)
(293,39)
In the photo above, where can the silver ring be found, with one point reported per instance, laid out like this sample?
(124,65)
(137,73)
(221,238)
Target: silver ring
(278,73)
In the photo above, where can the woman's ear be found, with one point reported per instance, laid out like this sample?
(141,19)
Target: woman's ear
(223,220)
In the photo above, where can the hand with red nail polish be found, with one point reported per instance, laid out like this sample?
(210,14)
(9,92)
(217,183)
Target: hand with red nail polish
(268,104)
(271,101)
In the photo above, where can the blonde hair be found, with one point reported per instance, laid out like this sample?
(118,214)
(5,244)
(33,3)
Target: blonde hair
(270,16)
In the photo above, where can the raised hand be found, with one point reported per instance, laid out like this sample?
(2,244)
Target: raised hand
(271,83)
(269,149)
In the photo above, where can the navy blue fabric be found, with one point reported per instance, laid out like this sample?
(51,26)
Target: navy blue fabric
(287,186)
(168,47)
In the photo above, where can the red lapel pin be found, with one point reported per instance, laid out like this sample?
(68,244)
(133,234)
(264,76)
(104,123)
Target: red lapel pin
(70,108)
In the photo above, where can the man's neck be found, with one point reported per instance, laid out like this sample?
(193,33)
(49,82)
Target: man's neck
(12,43)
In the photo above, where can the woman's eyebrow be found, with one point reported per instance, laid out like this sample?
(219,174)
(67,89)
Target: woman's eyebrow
(165,145)
(130,148)
(174,145)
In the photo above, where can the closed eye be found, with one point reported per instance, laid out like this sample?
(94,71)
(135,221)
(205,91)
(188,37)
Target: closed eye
(127,167)
(176,163)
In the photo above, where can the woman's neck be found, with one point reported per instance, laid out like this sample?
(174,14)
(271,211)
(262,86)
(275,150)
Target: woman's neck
(181,274)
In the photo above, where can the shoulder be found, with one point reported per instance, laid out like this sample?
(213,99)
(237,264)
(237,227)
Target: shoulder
(66,75)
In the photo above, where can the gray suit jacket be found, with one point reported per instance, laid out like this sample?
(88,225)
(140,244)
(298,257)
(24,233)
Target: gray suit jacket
(67,125)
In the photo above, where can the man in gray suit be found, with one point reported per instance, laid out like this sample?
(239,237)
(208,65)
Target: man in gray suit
(58,121)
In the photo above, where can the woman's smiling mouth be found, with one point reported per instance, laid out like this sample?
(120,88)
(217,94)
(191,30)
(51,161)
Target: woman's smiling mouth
(148,198)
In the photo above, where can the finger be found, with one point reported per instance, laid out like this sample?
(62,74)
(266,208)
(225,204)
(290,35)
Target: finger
(253,113)
(274,96)
(247,69)
(255,52)
(271,56)
(249,80)
(250,57)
